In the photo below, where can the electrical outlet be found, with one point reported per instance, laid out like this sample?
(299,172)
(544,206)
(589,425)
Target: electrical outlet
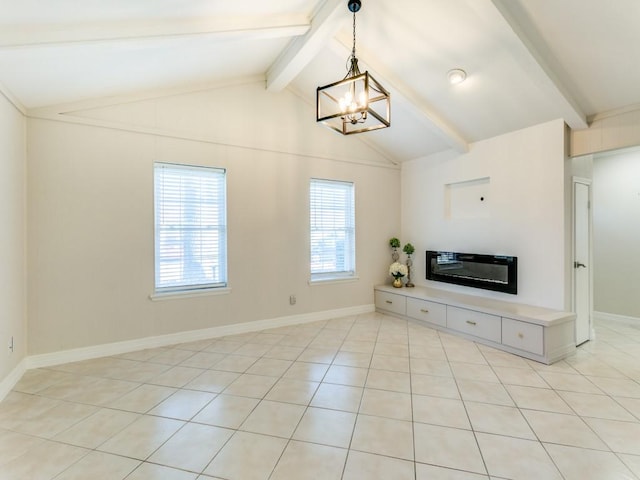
(292,300)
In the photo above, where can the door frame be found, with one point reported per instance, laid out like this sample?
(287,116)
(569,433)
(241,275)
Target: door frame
(588,182)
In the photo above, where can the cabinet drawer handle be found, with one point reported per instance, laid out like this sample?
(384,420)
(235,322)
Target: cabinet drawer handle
(471,323)
(520,335)
(388,301)
(424,310)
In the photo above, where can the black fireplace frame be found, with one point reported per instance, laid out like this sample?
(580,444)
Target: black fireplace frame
(456,260)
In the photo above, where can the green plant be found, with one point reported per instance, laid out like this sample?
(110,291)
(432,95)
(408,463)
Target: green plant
(408,249)
(394,242)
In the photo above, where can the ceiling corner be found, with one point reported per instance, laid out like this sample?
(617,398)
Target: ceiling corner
(529,55)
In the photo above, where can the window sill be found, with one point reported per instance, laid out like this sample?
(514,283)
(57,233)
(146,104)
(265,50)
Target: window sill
(329,281)
(159,297)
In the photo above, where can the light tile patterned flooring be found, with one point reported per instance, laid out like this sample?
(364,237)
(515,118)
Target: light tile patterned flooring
(365,397)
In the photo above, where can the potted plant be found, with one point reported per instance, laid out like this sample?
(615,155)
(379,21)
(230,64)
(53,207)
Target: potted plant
(394,243)
(409,249)
(397,271)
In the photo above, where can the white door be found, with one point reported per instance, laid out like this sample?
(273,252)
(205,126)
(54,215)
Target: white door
(582,259)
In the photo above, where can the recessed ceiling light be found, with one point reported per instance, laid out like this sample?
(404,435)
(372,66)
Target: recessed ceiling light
(456,76)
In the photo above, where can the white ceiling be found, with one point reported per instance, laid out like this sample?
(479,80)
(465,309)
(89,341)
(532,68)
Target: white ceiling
(528,61)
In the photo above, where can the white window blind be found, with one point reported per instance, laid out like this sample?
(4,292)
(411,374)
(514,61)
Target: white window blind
(190,227)
(332,215)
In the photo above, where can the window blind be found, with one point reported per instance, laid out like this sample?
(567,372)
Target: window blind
(332,216)
(190,227)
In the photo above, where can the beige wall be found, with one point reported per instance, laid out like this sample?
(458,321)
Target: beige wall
(13,320)
(90,225)
(523,213)
(616,232)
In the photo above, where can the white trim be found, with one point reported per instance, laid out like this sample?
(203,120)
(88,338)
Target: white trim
(614,317)
(70,108)
(205,292)
(588,183)
(10,381)
(332,280)
(225,27)
(153,131)
(104,350)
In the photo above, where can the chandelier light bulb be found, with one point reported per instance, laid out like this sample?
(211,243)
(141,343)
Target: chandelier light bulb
(345,102)
(363,100)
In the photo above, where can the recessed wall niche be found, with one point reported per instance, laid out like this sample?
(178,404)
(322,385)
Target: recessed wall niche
(467,199)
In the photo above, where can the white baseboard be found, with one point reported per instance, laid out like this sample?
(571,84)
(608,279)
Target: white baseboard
(7,383)
(614,317)
(105,350)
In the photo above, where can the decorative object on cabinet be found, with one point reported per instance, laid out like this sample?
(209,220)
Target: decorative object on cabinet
(409,249)
(397,271)
(394,243)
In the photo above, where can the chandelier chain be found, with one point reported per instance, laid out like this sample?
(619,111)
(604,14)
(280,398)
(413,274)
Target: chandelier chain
(353,50)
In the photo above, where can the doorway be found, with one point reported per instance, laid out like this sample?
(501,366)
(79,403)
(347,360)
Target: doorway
(582,255)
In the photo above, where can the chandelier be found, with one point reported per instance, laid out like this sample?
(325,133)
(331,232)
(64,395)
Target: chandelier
(357,103)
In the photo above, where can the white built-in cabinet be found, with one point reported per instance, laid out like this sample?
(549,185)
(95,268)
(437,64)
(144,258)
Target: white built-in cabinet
(537,333)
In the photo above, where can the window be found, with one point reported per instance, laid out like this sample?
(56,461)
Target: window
(190,227)
(333,244)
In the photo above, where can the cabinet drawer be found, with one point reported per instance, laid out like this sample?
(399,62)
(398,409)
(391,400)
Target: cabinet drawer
(391,302)
(474,323)
(431,312)
(523,335)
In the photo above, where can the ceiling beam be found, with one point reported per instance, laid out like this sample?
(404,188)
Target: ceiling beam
(497,13)
(300,51)
(231,28)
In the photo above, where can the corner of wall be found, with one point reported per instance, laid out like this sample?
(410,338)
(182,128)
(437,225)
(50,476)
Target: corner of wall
(9,382)
(13,100)
(568,222)
(13,276)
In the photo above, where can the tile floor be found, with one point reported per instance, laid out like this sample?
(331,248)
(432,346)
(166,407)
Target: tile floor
(365,397)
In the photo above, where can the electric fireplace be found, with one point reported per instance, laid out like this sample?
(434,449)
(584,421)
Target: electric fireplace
(490,272)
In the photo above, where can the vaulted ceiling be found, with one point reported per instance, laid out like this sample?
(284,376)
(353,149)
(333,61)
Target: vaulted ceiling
(528,61)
